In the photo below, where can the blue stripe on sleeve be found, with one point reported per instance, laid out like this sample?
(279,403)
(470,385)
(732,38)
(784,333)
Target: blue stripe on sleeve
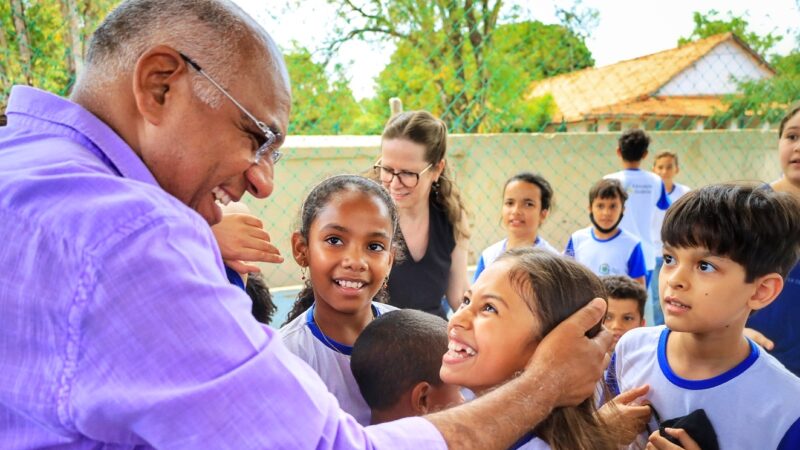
(791,440)
(479,268)
(636,266)
(570,250)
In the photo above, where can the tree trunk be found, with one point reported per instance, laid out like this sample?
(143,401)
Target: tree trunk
(74,41)
(23,41)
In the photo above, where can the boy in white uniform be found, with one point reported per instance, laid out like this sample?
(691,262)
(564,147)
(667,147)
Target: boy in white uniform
(727,249)
(646,192)
(665,165)
(606,248)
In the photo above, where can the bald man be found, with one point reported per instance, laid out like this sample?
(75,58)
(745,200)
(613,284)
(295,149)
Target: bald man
(118,328)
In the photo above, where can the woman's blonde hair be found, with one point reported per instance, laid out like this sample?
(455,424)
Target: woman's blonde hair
(423,128)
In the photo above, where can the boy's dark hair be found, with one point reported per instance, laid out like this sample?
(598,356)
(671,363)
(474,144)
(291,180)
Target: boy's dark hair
(621,287)
(633,144)
(536,180)
(666,154)
(751,224)
(395,352)
(263,306)
(607,188)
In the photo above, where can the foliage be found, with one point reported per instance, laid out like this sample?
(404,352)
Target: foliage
(42,40)
(320,105)
(455,59)
(757,100)
(711,23)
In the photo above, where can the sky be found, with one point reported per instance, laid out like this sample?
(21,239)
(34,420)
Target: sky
(626,28)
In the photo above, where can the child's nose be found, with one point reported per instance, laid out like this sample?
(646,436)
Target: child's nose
(354,260)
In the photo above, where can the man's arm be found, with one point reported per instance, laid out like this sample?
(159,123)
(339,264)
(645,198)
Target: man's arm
(554,377)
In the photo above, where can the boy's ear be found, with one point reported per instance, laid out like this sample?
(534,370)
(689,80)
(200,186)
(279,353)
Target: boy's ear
(545,212)
(767,289)
(420,398)
(300,249)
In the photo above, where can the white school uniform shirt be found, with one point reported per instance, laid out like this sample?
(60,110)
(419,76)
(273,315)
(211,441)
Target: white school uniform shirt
(330,359)
(618,255)
(755,405)
(494,251)
(658,218)
(646,195)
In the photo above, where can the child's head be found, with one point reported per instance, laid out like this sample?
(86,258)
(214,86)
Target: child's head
(396,362)
(607,204)
(515,302)
(626,299)
(633,145)
(526,203)
(347,238)
(263,307)
(665,165)
(727,248)
(789,145)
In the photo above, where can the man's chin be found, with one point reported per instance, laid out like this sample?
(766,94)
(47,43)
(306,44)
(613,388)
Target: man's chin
(212,213)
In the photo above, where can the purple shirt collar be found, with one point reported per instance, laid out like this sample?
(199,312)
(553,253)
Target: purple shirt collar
(27,103)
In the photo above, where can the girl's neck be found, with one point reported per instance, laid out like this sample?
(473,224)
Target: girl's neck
(695,356)
(341,327)
(784,185)
(669,185)
(605,236)
(520,241)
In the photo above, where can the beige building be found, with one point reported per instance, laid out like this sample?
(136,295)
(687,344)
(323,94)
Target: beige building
(676,89)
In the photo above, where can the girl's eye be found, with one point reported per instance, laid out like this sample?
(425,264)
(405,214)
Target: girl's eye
(489,308)
(706,267)
(508,202)
(628,318)
(669,260)
(607,319)
(376,247)
(530,204)
(464,302)
(333,240)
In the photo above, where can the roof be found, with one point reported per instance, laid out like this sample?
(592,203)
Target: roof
(627,87)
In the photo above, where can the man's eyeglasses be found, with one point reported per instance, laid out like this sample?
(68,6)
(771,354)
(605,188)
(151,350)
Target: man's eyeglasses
(406,178)
(270,137)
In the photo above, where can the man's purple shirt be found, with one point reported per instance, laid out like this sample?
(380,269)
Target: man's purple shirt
(117,325)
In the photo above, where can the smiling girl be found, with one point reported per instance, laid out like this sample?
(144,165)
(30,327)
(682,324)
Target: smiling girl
(346,241)
(503,317)
(526,203)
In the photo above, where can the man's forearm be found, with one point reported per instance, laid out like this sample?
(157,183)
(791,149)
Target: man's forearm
(499,418)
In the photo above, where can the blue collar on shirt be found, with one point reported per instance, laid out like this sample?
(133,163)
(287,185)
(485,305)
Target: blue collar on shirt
(663,363)
(591,231)
(535,243)
(529,436)
(328,342)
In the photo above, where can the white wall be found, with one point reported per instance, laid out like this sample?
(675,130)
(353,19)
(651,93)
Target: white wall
(715,73)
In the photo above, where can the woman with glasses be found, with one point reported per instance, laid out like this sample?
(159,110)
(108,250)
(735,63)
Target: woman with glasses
(432,215)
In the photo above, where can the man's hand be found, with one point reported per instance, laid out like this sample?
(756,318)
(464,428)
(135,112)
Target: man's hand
(575,361)
(759,338)
(241,237)
(657,442)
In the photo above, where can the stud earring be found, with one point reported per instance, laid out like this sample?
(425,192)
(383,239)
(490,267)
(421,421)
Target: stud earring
(385,283)
(303,273)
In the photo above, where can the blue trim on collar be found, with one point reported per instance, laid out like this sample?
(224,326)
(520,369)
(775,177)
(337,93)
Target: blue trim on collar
(697,385)
(529,436)
(327,341)
(505,243)
(591,233)
(633,170)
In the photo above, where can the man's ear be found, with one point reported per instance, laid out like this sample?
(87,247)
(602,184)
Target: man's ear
(155,81)
(420,398)
(300,249)
(767,289)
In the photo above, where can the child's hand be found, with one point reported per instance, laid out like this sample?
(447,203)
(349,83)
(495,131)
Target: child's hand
(759,339)
(241,237)
(627,413)
(657,442)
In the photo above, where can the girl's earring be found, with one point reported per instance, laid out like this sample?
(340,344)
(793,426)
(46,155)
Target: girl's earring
(435,188)
(385,284)
(303,273)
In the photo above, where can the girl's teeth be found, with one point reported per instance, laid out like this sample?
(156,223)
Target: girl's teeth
(350,284)
(458,349)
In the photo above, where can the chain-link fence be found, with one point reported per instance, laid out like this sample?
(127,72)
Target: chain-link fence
(517,95)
